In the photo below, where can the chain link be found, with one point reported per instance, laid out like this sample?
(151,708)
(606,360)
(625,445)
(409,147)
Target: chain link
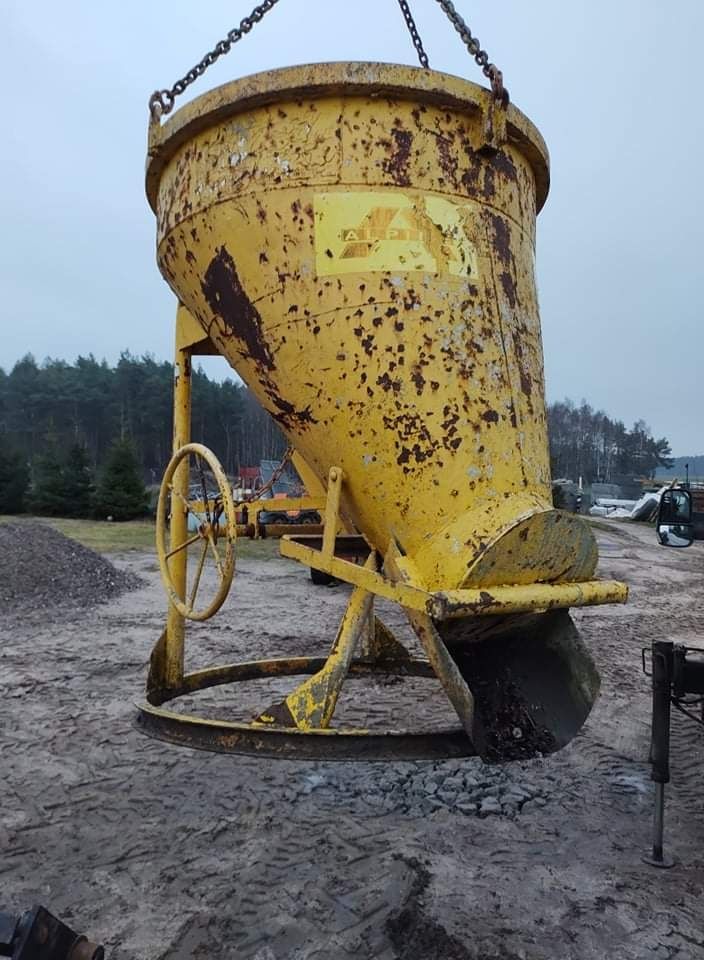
(415,36)
(490,71)
(161,101)
(258,494)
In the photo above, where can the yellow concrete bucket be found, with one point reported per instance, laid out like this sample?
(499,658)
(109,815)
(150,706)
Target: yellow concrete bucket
(358,241)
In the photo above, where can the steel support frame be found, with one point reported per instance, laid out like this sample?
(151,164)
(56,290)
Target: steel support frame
(309,709)
(673,678)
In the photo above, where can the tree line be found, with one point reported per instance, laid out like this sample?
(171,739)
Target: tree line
(586,443)
(59,404)
(84,438)
(62,422)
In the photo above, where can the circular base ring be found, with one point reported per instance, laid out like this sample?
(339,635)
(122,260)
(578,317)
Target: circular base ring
(290,743)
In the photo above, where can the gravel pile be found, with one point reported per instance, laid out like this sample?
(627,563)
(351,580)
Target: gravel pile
(41,568)
(419,789)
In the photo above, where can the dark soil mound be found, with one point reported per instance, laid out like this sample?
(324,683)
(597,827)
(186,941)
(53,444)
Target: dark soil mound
(40,568)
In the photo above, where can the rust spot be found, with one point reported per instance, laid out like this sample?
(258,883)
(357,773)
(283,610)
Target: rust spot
(447,160)
(524,375)
(367,344)
(508,283)
(419,380)
(190,257)
(490,416)
(286,414)
(397,164)
(502,238)
(489,187)
(523,535)
(504,165)
(386,383)
(227,299)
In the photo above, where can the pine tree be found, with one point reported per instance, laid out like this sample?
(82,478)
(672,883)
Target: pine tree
(121,493)
(47,496)
(77,483)
(14,479)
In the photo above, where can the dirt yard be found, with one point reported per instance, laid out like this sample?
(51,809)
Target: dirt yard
(169,854)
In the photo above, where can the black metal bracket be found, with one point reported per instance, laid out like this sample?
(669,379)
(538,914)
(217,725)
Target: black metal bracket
(674,676)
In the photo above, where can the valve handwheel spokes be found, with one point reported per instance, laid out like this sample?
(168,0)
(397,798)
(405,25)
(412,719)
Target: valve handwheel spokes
(211,510)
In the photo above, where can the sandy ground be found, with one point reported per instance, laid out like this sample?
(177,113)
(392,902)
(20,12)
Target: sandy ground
(168,854)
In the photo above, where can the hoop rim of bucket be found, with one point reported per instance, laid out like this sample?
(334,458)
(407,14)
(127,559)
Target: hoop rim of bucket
(291,743)
(327,80)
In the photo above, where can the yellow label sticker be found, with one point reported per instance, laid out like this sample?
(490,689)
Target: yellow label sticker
(364,231)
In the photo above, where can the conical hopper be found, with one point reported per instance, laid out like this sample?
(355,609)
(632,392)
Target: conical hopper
(366,265)
(358,241)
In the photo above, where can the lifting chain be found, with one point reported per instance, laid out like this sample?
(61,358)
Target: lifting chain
(257,494)
(415,36)
(161,101)
(490,71)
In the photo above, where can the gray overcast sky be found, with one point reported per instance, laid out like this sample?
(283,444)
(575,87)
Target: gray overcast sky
(614,87)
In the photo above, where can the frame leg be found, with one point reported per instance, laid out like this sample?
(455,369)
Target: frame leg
(312,704)
(166,668)
(175,624)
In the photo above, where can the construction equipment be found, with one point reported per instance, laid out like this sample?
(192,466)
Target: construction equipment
(357,240)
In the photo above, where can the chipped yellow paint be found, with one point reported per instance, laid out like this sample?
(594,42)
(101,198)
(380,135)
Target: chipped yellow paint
(363,231)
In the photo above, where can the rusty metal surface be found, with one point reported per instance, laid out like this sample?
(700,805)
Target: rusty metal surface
(498,601)
(290,743)
(367,244)
(376,80)
(345,237)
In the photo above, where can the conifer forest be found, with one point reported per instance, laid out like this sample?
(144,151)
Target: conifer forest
(50,409)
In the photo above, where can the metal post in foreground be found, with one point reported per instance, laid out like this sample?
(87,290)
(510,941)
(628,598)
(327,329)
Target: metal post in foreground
(662,660)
